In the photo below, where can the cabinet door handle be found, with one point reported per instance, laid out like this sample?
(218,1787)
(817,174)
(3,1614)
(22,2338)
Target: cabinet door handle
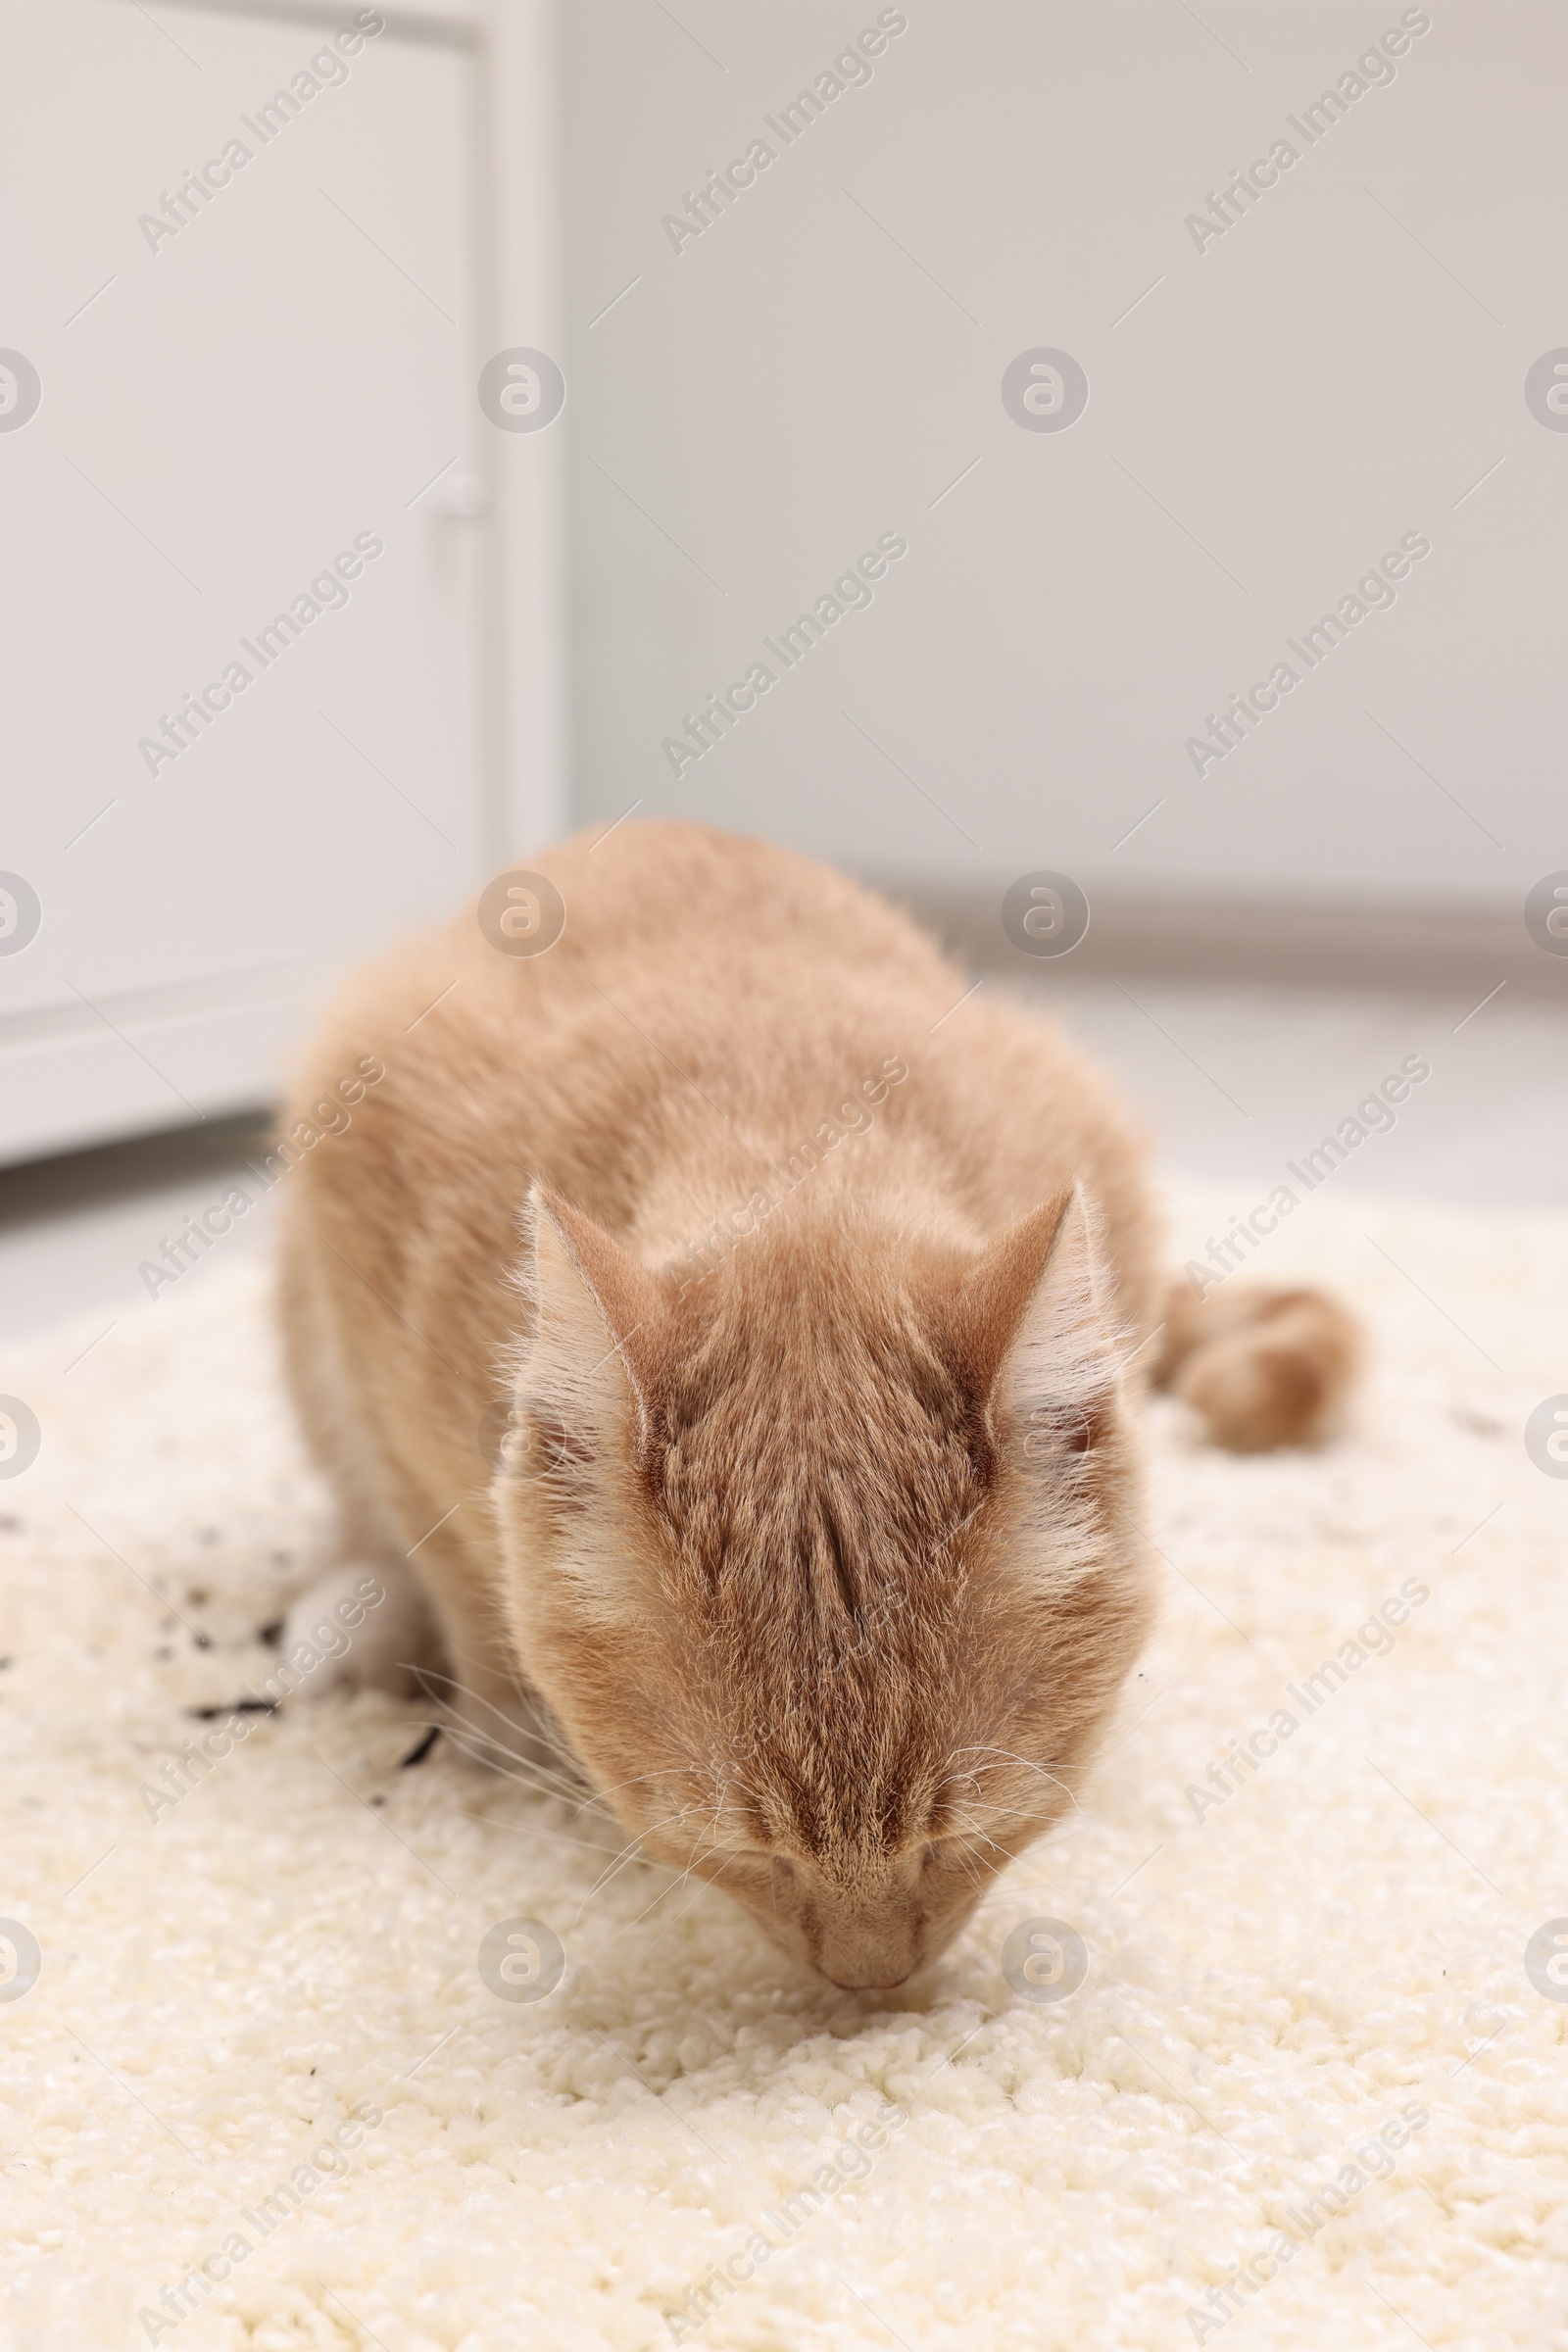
(461,498)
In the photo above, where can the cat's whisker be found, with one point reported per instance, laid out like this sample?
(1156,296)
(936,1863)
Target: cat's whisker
(529,1706)
(690,1866)
(483,1746)
(674,1886)
(987,1804)
(482,1749)
(971,1828)
(986,1870)
(984,1865)
(628,1853)
(691,1863)
(604,1878)
(456,1732)
(678,1916)
(564,1785)
(1024,1761)
(524,1828)
(616,1863)
(661,1771)
(966,1816)
(570,1786)
(496,1759)
(511,1723)
(947,1779)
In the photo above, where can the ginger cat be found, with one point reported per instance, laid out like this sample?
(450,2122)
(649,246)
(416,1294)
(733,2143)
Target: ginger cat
(726,1342)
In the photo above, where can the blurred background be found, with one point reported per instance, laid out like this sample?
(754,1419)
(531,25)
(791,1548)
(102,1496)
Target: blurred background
(1115,451)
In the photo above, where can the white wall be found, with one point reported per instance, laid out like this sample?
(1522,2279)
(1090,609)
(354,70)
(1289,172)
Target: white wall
(1338,369)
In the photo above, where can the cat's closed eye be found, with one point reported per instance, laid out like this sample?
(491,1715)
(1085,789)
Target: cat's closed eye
(760,1857)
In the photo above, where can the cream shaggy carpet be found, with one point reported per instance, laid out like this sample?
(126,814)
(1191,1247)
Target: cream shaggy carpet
(1307,2057)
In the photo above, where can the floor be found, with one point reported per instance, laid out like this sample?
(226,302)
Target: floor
(1228,2008)
(1233,1083)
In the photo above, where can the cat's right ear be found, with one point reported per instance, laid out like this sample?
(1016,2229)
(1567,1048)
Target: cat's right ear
(587,1370)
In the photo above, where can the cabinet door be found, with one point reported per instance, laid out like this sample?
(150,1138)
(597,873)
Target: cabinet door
(247,562)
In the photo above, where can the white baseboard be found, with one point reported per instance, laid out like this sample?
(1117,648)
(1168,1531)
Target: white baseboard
(1291,942)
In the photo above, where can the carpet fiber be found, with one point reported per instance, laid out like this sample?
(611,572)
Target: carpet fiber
(1289,1962)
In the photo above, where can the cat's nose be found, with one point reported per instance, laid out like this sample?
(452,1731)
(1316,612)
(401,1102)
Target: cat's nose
(863,1947)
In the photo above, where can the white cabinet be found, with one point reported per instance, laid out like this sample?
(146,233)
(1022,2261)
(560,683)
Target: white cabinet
(256,583)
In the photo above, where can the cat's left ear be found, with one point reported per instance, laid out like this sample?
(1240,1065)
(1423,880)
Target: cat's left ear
(598,1322)
(1037,1329)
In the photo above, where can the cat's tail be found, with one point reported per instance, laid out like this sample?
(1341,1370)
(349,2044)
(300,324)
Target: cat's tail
(1263,1367)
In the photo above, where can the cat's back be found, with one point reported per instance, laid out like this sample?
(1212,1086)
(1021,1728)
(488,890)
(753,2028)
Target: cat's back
(693,896)
(686,954)
(709,997)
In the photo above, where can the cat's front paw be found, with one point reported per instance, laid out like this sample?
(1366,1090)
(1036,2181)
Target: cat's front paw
(363,1626)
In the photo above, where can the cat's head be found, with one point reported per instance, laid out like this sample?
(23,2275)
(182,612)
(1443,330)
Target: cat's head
(827,1564)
